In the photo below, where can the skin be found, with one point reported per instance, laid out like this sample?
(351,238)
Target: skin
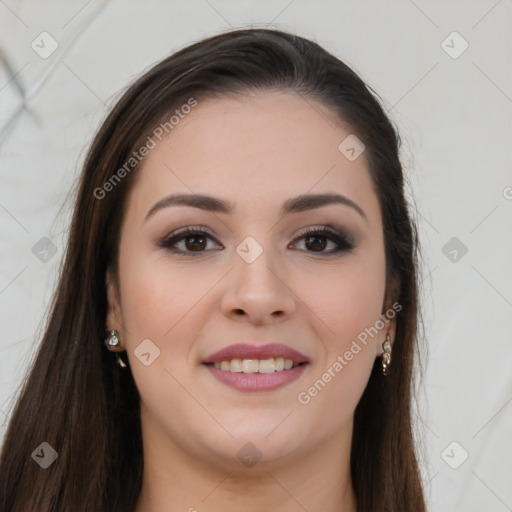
(256,150)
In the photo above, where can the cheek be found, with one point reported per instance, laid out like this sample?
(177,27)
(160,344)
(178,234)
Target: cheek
(346,298)
(165,302)
(348,302)
(159,304)
(357,300)
(158,295)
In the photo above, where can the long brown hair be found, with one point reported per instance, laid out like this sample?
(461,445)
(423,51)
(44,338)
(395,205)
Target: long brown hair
(75,396)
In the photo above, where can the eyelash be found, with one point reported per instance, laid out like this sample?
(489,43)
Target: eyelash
(342,241)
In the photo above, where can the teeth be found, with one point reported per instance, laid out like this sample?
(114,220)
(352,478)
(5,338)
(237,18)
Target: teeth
(250,366)
(255,365)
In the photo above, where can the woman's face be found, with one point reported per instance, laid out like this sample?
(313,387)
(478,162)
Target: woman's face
(252,277)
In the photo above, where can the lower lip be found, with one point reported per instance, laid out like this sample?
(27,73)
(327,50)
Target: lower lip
(257,381)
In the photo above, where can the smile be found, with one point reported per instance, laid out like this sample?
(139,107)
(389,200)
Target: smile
(270,365)
(256,375)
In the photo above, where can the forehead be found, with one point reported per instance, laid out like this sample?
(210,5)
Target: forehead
(255,149)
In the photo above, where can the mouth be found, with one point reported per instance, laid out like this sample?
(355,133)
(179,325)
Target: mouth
(253,375)
(262,366)
(248,367)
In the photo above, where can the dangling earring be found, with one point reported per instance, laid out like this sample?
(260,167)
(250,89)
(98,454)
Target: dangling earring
(120,361)
(386,356)
(113,341)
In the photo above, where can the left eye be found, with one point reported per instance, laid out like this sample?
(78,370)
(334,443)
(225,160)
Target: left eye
(318,239)
(195,241)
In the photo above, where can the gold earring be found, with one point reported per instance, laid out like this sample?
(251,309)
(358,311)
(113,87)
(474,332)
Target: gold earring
(113,341)
(120,361)
(386,356)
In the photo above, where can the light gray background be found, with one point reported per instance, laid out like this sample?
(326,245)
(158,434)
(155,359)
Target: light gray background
(455,119)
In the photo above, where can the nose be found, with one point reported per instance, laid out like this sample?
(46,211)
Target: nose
(258,292)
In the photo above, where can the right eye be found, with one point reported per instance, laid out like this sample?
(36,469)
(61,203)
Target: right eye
(194,241)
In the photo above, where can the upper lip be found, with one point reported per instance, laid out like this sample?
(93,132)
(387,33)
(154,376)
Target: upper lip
(247,351)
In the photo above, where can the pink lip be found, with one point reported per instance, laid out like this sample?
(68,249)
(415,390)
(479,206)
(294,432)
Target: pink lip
(257,381)
(246,351)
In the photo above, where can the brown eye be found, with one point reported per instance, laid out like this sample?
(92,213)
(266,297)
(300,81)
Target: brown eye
(198,242)
(316,240)
(316,243)
(188,240)
(194,240)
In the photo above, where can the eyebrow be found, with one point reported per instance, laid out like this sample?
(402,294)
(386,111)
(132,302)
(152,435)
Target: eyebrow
(213,204)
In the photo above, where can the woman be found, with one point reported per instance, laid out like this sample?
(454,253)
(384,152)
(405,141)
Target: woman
(236,317)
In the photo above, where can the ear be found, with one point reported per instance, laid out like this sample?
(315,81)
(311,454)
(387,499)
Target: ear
(113,320)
